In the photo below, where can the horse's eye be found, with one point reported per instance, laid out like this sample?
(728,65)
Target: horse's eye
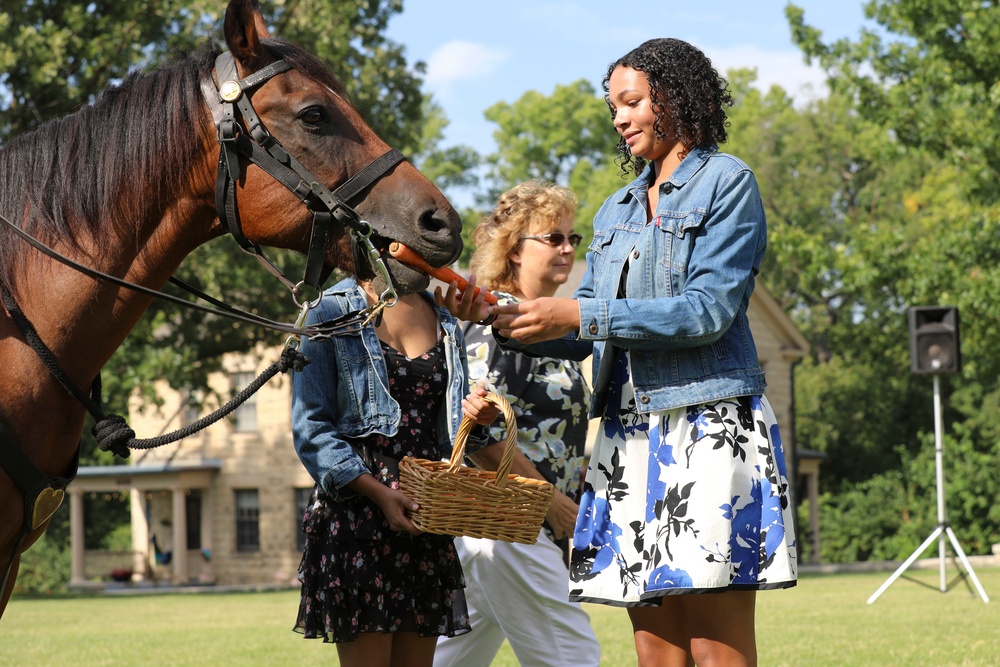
(311,115)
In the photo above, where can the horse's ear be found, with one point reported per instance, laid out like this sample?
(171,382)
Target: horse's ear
(244,28)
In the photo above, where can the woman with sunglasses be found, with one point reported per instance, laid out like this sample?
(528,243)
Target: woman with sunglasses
(687,491)
(525,250)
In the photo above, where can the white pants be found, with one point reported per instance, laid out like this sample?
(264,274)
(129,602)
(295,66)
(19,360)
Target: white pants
(519,591)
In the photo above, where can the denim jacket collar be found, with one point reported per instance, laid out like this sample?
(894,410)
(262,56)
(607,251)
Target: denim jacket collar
(689,166)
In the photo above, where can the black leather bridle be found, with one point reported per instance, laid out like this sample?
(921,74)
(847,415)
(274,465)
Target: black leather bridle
(247,137)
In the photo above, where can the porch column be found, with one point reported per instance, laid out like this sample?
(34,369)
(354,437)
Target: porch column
(140,529)
(179,522)
(207,531)
(76,536)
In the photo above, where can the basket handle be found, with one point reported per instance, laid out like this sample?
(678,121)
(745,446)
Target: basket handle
(458,451)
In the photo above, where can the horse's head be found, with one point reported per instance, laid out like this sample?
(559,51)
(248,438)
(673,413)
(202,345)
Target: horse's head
(305,109)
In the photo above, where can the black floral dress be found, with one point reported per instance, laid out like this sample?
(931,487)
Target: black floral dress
(357,574)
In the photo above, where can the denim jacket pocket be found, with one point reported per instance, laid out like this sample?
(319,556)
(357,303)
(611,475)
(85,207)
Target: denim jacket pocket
(606,266)
(679,223)
(678,231)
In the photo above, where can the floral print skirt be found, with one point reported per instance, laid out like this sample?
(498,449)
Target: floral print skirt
(689,500)
(356,580)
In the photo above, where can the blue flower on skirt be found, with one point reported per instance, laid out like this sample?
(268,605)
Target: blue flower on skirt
(660,455)
(667,577)
(744,542)
(595,530)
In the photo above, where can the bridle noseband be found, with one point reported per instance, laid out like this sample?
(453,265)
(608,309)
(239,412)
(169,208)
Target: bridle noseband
(251,140)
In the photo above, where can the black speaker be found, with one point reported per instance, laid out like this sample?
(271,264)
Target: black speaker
(934,340)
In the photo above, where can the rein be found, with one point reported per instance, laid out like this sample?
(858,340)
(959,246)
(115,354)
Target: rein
(345,324)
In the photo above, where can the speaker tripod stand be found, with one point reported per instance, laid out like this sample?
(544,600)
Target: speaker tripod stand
(943,529)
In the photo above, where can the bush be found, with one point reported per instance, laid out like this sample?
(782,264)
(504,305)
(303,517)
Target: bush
(44,570)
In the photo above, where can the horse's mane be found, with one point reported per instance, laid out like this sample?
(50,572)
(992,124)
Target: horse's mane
(103,165)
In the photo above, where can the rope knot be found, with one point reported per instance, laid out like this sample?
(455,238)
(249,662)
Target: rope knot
(113,435)
(292,358)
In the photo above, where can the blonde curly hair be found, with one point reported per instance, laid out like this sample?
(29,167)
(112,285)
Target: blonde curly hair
(533,207)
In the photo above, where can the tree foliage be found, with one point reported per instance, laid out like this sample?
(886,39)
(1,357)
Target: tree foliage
(548,136)
(564,138)
(903,173)
(931,74)
(56,56)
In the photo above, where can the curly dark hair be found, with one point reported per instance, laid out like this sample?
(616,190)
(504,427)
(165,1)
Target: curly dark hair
(689,96)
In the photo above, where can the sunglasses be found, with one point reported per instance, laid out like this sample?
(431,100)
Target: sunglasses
(556,239)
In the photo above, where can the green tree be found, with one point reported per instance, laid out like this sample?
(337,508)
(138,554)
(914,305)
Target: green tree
(931,74)
(833,189)
(451,167)
(56,56)
(548,136)
(921,96)
(565,138)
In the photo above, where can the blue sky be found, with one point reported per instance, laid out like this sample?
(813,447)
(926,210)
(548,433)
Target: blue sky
(479,52)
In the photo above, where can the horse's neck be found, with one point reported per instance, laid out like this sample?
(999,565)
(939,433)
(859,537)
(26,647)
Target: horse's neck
(83,320)
(77,312)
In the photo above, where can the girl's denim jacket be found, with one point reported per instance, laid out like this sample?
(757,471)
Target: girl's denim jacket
(343,393)
(689,283)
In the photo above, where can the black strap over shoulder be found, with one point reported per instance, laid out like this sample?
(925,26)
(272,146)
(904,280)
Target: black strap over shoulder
(42,495)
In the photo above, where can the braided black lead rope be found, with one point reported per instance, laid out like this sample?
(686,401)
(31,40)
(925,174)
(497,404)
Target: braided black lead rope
(114,435)
(112,431)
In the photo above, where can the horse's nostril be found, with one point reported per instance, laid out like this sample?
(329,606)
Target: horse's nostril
(432,222)
(440,232)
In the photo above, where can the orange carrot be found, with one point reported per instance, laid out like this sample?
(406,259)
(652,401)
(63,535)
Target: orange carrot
(409,256)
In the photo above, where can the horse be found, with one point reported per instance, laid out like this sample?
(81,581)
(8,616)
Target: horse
(131,184)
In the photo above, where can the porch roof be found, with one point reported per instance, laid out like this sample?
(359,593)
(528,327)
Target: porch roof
(189,474)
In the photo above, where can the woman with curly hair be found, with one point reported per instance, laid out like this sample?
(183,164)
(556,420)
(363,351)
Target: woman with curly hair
(687,492)
(526,249)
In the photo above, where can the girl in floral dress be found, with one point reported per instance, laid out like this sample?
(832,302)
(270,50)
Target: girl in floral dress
(372,583)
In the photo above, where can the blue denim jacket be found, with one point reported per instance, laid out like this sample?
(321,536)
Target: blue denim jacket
(689,283)
(343,393)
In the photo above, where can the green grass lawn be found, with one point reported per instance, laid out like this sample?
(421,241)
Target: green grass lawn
(824,621)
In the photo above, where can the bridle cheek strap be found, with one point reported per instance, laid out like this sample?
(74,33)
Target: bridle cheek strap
(251,140)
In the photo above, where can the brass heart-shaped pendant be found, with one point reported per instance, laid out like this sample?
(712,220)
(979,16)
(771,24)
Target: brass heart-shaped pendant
(46,504)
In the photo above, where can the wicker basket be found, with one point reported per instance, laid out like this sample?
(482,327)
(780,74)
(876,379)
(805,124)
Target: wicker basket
(456,500)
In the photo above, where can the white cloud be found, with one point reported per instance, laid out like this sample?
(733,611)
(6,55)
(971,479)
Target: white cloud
(459,60)
(783,68)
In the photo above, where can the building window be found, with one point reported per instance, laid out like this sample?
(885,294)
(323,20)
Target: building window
(191,411)
(245,416)
(192,511)
(247,520)
(301,501)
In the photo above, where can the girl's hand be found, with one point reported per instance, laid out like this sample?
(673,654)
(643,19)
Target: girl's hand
(464,305)
(395,505)
(477,408)
(537,320)
(396,508)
